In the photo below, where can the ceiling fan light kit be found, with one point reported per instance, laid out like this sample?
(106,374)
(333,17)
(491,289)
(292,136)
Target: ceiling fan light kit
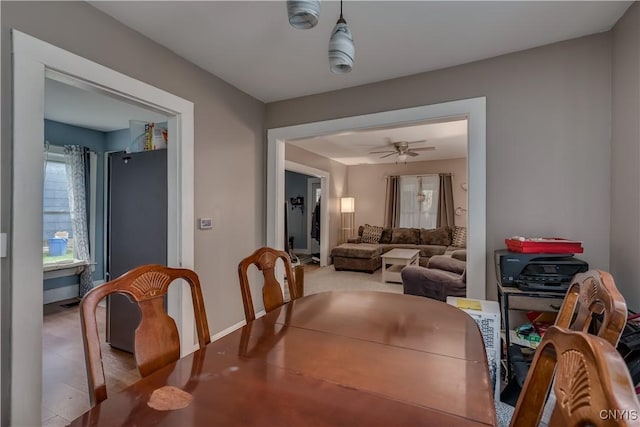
(402,150)
(303,14)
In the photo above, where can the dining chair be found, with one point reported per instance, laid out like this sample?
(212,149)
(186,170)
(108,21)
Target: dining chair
(594,293)
(265,260)
(590,380)
(590,293)
(156,340)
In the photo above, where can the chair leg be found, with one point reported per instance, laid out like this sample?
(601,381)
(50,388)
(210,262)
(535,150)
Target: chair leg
(298,272)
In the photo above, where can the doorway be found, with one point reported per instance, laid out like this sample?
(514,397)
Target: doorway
(314,194)
(35,60)
(474,110)
(324,178)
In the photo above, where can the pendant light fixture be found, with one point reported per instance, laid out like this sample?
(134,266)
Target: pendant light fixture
(341,49)
(303,14)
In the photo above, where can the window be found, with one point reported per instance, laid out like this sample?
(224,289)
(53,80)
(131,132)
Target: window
(419,201)
(57,236)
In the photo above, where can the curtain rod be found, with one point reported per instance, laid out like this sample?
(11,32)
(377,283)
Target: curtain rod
(424,174)
(47,144)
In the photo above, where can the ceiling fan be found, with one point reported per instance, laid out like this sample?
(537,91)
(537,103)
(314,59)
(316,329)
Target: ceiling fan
(402,150)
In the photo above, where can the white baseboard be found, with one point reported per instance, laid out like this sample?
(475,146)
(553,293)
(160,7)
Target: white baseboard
(217,336)
(63,293)
(228,330)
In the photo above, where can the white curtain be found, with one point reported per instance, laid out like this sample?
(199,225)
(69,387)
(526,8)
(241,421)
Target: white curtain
(419,201)
(75,165)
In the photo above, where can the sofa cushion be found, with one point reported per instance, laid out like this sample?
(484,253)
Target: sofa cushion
(436,236)
(431,250)
(371,234)
(459,238)
(386,235)
(406,235)
(357,250)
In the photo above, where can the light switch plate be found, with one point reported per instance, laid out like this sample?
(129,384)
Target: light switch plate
(205,223)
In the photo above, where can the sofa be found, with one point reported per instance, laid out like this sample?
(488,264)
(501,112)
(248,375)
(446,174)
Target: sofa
(362,253)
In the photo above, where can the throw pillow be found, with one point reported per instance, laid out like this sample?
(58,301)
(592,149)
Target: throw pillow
(409,236)
(459,237)
(386,236)
(438,236)
(371,233)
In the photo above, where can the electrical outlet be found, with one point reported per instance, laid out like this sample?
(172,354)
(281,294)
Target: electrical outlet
(205,223)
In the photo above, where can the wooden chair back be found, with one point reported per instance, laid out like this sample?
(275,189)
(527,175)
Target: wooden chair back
(156,341)
(592,384)
(265,260)
(594,292)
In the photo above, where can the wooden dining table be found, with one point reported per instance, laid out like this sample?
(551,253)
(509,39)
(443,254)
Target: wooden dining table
(359,358)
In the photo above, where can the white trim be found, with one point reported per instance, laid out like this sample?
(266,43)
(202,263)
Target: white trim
(474,109)
(93,188)
(325,178)
(33,60)
(311,198)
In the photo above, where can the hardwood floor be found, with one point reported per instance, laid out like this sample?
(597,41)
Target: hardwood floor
(64,383)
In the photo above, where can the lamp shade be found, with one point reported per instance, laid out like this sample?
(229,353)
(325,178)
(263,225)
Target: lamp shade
(303,14)
(341,48)
(402,157)
(347,205)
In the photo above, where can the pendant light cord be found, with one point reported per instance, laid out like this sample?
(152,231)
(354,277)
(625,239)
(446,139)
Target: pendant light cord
(341,19)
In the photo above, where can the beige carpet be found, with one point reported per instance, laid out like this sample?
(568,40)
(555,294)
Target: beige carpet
(327,279)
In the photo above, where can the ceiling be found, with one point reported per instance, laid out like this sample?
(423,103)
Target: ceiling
(252,46)
(353,148)
(392,39)
(79,107)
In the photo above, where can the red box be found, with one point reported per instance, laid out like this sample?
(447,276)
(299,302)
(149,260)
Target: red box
(544,245)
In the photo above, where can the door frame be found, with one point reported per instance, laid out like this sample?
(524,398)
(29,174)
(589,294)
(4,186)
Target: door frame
(473,109)
(325,179)
(33,61)
(310,197)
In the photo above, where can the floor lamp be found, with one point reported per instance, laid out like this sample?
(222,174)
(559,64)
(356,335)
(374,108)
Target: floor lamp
(347,209)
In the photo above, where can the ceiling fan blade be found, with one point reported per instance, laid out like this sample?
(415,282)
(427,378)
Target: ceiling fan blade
(387,155)
(411,153)
(415,142)
(382,152)
(424,149)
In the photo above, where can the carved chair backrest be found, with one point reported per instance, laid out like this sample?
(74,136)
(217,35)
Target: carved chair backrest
(592,384)
(156,341)
(594,292)
(265,260)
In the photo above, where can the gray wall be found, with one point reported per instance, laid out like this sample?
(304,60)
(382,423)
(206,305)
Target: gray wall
(625,155)
(548,132)
(337,184)
(229,145)
(367,184)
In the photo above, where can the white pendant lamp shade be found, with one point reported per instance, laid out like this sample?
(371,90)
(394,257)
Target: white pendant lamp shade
(303,14)
(341,49)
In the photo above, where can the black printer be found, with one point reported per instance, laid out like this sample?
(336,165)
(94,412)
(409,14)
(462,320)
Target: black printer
(538,272)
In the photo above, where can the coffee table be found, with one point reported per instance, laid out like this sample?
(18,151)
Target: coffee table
(397,259)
